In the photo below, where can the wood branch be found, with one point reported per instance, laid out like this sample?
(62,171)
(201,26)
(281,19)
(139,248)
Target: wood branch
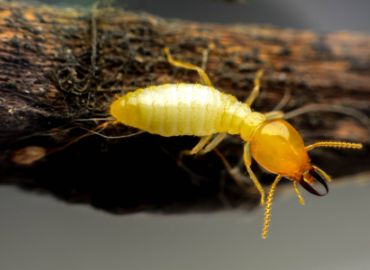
(58,66)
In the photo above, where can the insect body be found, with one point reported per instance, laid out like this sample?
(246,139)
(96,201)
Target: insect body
(202,110)
(183,109)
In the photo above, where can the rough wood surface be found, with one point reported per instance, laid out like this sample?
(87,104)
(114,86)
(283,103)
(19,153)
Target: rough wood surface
(58,66)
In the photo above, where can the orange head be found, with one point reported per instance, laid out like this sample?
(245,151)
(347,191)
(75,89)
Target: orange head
(278,147)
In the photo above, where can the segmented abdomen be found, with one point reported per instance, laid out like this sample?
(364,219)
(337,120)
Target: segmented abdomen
(180,109)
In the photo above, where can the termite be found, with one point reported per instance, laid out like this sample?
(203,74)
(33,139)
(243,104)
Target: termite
(202,110)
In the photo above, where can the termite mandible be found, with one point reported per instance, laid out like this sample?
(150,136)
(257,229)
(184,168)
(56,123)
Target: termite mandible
(202,110)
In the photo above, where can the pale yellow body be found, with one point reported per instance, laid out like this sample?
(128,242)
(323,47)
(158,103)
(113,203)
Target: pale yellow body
(184,109)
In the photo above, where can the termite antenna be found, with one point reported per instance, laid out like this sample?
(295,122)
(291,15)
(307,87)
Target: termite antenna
(334,144)
(270,197)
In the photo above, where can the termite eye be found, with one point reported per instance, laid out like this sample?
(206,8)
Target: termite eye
(311,180)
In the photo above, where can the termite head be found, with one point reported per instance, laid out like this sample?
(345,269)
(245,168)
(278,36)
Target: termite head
(279,148)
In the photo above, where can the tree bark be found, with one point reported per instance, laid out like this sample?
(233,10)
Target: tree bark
(60,66)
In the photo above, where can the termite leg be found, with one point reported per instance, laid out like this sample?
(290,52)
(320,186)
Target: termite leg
(198,147)
(180,64)
(298,193)
(284,100)
(233,172)
(213,144)
(256,88)
(94,131)
(359,115)
(203,147)
(274,115)
(270,197)
(247,162)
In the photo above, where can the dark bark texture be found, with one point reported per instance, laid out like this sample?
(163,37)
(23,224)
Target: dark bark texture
(60,66)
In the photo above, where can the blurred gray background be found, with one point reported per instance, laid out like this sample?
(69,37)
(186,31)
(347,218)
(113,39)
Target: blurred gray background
(40,232)
(317,15)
